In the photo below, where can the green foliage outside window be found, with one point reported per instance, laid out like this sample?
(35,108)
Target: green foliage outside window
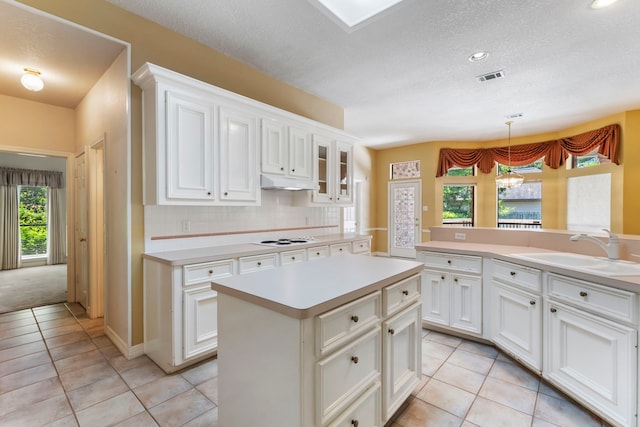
(460,171)
(457,202)
(33,220)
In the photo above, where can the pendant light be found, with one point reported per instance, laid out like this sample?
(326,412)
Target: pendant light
(509,179)
(31,80)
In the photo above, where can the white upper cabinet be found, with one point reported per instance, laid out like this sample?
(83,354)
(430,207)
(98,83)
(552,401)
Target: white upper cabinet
(190,148)
(238,156)
(286,150)
(205,146)
(333,160)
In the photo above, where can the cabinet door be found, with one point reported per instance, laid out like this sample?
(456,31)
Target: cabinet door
(300,154)
(274,147)
(402,360)
(200,320)
(238,156)
(190,148)
(344,173)
(322,150)
(594,358)
(435,297)
(516,324)
(466,303)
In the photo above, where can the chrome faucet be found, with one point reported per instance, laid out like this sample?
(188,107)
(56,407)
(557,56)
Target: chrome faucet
(612,249)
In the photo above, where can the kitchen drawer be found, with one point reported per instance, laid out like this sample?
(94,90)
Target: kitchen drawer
(342,377)
(361,246)
(290,257)
(400,295)
(336,327)
(257,263)
(198,273)
(364,412)
(521,276)
(467,263)
(613,303)
(340,248)
(317,252)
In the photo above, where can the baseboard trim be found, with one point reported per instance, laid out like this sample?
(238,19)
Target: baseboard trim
(128,352)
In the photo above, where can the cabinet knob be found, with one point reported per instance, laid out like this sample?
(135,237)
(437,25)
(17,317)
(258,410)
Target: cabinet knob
(318,253)
(405,292)
(553,310)
(532,302)
(210,271)
(355,318)
(355,423)
(354,359)
(448,261)
(259,263)
(583,294)
(293,258)
(340,249)
(391,331)
(208,193)
(441,277)
(455,279)
(282,168)
(293,170)
(226,193)
(513,273)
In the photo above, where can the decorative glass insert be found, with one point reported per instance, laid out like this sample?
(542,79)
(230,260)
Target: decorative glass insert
(403,220)
(403,170)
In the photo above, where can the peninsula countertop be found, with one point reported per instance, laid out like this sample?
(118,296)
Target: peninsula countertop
(303,290)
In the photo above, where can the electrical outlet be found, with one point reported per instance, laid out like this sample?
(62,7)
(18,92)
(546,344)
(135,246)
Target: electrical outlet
(460,236)
(186,225)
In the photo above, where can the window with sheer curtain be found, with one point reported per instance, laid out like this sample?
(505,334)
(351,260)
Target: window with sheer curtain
(10,182)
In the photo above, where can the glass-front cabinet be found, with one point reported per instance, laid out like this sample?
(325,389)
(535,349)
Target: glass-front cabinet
(334,170)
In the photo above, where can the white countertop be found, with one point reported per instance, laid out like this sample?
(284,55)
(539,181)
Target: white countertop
(504,252)
(216,253)
(303,290)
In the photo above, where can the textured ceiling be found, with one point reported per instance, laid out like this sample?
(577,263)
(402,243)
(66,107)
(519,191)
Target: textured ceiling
(402,78)
(70,59)
(406,78)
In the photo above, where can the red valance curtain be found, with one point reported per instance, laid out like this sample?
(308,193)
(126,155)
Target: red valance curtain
(555,152)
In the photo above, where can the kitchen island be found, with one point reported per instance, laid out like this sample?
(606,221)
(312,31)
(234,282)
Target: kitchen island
(330,342)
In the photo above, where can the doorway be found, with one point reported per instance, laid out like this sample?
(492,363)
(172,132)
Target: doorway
(405,219)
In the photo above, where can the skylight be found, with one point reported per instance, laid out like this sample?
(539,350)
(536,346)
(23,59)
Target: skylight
(352,14)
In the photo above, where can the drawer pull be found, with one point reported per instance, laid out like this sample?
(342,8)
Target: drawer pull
(208,193)
(391,331)
(553,310)
(405,292)
(293,258)
(318,253)
(532,302)
(210,271)
(513,273)
(355,318)
(449,261)
(340,249)
(583,294)
(441,277)
(354,359)
(455,279)
(259,263)
(355,423)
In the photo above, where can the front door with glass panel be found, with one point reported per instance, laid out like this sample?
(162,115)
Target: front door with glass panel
(404,218)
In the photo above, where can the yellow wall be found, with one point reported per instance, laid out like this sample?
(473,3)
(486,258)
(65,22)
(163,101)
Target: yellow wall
(34,126)
(554,190)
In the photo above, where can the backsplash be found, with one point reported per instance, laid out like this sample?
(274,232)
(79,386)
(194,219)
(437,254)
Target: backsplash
(185,227)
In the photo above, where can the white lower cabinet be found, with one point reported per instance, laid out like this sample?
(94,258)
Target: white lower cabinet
(588,351)
(200,320)
(516,312)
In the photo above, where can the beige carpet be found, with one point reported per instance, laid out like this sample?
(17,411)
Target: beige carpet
(32,287)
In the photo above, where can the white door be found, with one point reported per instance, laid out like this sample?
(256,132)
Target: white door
(404,218)
(81,250)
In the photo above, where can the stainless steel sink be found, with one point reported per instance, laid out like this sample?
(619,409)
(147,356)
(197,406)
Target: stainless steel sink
(585,263)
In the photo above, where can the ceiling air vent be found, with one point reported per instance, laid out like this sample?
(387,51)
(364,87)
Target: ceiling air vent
(514,116)
(491,76)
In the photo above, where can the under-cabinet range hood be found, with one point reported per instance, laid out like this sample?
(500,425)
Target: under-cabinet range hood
(275,182)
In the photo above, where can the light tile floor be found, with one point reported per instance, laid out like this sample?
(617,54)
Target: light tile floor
(58,369)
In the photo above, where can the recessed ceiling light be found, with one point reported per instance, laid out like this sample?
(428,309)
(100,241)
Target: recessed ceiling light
(352,13)
(478,56)
(599,4)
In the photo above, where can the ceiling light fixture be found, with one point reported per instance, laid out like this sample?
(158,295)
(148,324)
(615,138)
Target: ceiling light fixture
(509,179)
(31,80)
(478,56)
(599,4)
